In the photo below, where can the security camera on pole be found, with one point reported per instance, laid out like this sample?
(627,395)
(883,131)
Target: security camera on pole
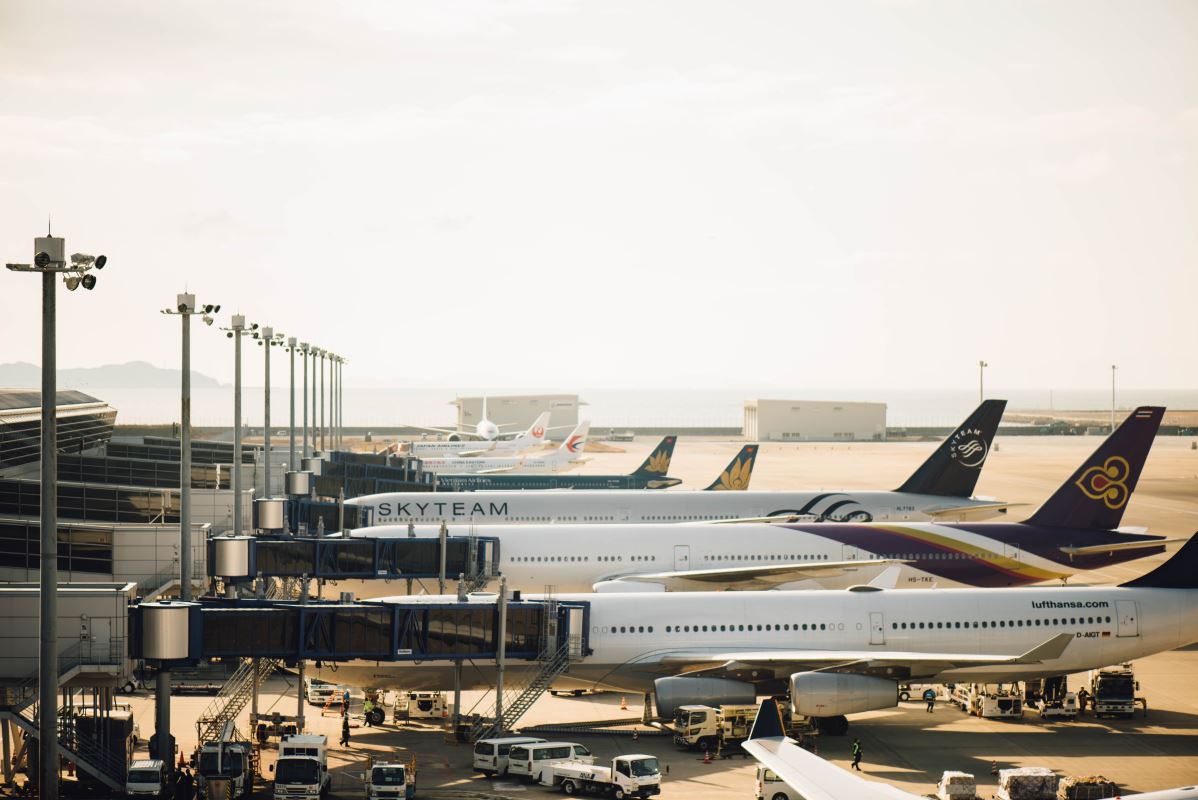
(50,260)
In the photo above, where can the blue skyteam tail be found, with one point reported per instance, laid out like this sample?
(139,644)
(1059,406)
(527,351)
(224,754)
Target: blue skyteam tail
(735,478)
(953,470)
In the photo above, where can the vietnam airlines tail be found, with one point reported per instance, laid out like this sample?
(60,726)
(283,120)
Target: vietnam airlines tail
(735,477)
(654,469)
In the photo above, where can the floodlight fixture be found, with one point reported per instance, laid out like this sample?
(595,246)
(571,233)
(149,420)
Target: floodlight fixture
(207,320)
(89,282)
(42,259)
(101,260)
(71,281)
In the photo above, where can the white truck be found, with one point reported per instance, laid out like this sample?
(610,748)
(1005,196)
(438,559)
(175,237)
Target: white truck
(628,776)
(391,780)
(714,729)
(226,762)
(1113,691)
(302,771)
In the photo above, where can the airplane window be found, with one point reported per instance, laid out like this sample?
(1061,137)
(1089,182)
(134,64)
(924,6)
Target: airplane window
(1108,619)
(1002,624)
(939,624)
(786,627)
(667,629)
(767,627)
(823,627)
(921,626)
(722,628)
(742,627)
(804,626)
(1020,623)
(650,629)
(894,626)
(641,629)
(983,624)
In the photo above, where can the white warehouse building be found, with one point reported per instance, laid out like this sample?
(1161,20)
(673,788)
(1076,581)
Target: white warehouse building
(814,421)
(516,412)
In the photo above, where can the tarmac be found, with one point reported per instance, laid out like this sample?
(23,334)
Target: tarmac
(903,746)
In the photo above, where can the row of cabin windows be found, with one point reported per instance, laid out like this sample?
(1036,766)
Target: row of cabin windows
(530,559)
(1002,623)
(680,517)
(742,557)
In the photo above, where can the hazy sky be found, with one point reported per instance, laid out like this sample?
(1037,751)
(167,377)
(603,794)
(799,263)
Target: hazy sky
(617,194)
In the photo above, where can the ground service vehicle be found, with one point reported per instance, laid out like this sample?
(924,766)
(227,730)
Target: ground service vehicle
(529,760)
(1113,691)
(318,692)
(707,728)
(146,778)
(302,771)
(628,776)
(422,705)
(391,780)
(227,760)
(491,755)
(770,786)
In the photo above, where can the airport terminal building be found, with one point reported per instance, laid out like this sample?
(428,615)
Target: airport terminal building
(814,421)
(516,412)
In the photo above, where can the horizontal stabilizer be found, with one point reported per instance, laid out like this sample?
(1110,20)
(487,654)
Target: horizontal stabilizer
(755,577)
(940,513)
(1098,549)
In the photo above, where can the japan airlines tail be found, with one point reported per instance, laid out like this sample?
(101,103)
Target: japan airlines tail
(533,437)
(564,458)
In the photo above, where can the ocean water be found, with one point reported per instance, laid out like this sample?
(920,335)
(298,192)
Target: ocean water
(614,407)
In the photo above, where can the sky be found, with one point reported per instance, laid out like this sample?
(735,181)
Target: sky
(618,194)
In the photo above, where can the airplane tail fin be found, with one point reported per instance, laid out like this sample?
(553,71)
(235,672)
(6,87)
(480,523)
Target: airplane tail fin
(1096,495)
(576,441)
(737,474)
(768,724)
(658,462)
(536,431)
(953,469)
(1179,572)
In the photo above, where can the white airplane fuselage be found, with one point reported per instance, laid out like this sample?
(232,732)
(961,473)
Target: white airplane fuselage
(634,505)
(512,465)
(630,634)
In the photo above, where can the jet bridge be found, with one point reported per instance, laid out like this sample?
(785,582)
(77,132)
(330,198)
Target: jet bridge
(244,558)
(415,629)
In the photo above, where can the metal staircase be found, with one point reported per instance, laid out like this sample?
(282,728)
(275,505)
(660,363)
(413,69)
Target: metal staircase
(233,697)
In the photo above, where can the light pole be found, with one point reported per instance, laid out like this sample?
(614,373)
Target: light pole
(982,380)
(266,338)
(340,402)
(292,464)
(304,357)
(185,308)
(1113,368)
(50,260)
(322,354)
(235,331)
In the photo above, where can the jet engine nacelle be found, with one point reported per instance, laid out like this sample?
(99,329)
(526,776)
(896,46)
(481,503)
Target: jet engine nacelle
(683,691)
(453,437)
(834,694)
(626,586)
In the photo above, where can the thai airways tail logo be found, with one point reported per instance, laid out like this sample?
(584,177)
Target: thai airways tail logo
(1107,483)
(736,477)
(658,463)
(574,443)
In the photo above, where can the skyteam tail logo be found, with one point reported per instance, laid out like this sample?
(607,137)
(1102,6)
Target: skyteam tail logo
(575,443)
(1107,483)
(538,432)
(968,448)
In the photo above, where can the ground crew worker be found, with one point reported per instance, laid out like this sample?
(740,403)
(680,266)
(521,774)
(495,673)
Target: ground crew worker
(188,784)
(1083,697)
(345,731)
(930,696)
(857,754)
(345,703)
(367,707)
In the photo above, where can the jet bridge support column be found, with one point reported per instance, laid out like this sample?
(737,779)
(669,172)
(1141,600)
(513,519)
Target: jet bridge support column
(300,693)
(501,656)
(442,535)
(457,671)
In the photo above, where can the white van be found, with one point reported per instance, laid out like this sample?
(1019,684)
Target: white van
(490,755)
(770,786)
(528,759)
(146,779)
(319,692)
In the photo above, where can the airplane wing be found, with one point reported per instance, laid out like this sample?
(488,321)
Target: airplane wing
(756,577)
(940,512)
(472,453)
(893,664)
(494,471)
(1070,550)
(445,431)
(809,775)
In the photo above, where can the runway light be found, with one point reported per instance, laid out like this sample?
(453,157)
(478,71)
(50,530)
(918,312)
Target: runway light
(42,259)
(72,282)
(89,282)
(101,261)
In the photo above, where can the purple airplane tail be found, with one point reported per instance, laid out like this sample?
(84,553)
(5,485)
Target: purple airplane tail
(1096,495)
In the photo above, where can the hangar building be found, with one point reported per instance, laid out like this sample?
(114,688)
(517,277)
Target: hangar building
(814,421)
(517,412)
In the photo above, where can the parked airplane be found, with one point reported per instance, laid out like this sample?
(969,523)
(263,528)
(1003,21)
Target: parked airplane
(939,490)
(651,474)
(1076,530)
(812,778)
(485,430)
(834,652)
(527,440)
(563,459)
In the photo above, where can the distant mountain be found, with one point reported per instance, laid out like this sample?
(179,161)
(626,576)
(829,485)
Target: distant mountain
(133,375)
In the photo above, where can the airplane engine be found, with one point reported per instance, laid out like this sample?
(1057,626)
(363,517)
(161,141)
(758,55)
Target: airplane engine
(626,586)
(453,437)
(682,691)
(834,694)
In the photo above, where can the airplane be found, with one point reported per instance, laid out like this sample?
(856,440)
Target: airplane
(565,458)
(485,430)
(531,438)
(813,778)
(1075,531)
(939,490)
(651,474)
(834,652)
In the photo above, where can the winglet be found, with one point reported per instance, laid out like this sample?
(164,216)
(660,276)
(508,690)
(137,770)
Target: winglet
(738,473)
(1049,650)
(768,724)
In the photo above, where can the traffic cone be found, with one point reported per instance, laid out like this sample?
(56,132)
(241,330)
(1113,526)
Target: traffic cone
(71,769)
(706,756)
(623,703)
(994,767)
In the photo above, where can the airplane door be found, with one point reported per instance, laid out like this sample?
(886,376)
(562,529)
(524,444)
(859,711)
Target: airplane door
(1011,551)
(682,557)
(622,515)
(877,628)
(848,552)
(1129,619)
